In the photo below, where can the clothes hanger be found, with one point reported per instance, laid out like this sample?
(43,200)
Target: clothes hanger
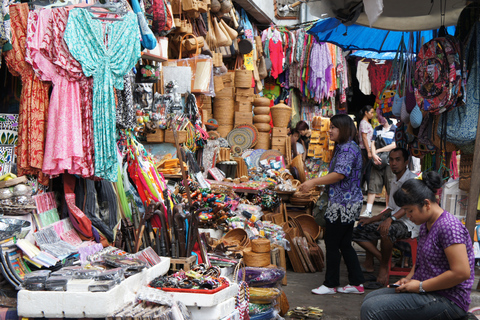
(39,3)
(59,3)
(111,8)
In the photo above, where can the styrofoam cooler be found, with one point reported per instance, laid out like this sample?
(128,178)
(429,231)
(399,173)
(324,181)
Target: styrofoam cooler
(453,199)
(61,304)
(216,312)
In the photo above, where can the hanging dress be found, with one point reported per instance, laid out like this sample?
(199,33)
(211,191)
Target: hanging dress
(33,100)
(106,51)
(54,48)
(63,144)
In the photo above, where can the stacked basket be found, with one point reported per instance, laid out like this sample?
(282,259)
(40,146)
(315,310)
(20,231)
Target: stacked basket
(261,121)
(223,110)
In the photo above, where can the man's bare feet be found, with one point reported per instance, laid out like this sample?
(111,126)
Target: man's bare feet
(383,277)
(367,268)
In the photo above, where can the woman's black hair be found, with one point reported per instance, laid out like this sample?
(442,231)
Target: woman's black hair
(302,125)
(361,114)
(347,128)
(416,191)
(293,144)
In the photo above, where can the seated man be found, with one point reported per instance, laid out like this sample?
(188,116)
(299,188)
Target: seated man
(390,225)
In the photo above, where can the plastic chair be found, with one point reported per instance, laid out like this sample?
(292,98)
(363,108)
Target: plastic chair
(402,271)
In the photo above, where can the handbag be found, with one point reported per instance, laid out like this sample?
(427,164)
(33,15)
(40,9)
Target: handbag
(262,68)
(380,143)
(222,39)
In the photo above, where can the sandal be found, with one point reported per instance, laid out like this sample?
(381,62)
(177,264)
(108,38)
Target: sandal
(373,285)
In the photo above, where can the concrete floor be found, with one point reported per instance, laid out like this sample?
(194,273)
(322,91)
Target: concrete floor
(337,306)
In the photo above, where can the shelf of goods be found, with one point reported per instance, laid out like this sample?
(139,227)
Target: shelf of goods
(64,304)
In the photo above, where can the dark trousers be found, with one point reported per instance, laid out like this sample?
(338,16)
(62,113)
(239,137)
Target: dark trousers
(338,243)
(366,169)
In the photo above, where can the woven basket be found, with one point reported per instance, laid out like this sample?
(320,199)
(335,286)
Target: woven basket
(281,114)
(224,130)
(224,111)
(228,92)
(308,224)
(262,127)
(261,110)
(261,245)
(254,259)
(465,171)
(263,141)
(261,102)
(243,78)
(263,118)
(239,235)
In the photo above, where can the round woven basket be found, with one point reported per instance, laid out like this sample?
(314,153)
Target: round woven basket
(309,225)
(262,127)
(224,130)
(263,118)
(261,110)
(281,114)
(261,102)
(224,111)
(263,141)
(237,235)
(254,259)
(261,245)
(243,78)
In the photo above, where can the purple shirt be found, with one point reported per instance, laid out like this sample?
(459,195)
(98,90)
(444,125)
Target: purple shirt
(345,197)
(432,261)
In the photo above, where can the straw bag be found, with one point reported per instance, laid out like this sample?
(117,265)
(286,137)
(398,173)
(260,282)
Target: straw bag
(262,68)
(185,26)
(222,38)
(192,44)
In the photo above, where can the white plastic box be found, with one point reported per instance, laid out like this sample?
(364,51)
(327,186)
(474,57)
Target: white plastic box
(454,200)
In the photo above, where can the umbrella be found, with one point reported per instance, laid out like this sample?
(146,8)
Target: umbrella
(356,37)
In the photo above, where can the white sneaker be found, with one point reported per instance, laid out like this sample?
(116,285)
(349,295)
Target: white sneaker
(324,290)
(352,289)
(366,214)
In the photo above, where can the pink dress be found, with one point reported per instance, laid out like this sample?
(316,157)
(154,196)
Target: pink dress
(67,141)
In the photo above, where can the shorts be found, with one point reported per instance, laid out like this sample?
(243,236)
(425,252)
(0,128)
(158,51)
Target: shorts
(380,178)
(369,232)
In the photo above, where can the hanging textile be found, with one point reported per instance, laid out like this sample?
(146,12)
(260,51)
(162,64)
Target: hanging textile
(33,100)
(63,144)
(126,118)
(364,83)
(107,51)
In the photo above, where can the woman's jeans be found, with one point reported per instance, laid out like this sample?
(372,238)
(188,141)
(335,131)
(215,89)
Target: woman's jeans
(386,304)
(338,243)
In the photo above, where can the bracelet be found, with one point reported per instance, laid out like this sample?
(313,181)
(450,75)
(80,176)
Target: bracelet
(420,288)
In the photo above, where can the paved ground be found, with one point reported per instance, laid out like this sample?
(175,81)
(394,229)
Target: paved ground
(338,306)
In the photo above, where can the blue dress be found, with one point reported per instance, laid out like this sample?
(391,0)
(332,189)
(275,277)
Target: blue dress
(106,51)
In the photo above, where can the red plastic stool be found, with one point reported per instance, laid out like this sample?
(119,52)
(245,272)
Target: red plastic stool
(401,271)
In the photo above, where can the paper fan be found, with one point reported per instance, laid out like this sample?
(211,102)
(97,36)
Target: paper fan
(255,156)
(270,155)
(247,152)
(240,137)
(252,128)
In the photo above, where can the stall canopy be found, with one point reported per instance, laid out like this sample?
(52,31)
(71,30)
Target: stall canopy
(357,37)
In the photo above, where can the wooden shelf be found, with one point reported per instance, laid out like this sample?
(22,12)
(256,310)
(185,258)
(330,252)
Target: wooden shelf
(153,57)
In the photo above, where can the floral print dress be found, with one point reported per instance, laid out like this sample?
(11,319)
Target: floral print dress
(33,100)
(106,51)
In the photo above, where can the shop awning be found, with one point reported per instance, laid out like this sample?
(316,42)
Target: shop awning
(356,37)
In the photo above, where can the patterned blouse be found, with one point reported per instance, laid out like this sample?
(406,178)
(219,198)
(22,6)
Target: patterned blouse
(345,196)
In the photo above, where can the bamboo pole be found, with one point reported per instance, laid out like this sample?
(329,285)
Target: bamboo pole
(474,186)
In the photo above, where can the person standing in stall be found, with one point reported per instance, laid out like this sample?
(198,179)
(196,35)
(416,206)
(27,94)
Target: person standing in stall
(440,282)
(345,202)
(304,130)
(365,133)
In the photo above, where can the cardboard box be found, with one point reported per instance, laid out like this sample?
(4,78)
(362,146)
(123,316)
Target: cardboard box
(182,263)
(279,132)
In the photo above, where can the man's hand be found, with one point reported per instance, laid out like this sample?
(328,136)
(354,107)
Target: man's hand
(306,186)
(363,221)
(384,227)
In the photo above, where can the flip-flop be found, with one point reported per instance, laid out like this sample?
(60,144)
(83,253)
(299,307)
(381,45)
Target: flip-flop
(373,285)
(370,277)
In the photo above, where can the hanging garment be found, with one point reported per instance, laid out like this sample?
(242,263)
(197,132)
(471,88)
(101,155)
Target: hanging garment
(276,56)
(3,37)
(55,49)
(63,144)
(363,79)
(107,51)
(33,100)
(126,118)
(320,65)
(378,74)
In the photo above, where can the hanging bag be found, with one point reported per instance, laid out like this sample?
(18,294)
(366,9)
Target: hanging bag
(461,122)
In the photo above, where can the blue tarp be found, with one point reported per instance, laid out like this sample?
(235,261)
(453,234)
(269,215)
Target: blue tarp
(356,37)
